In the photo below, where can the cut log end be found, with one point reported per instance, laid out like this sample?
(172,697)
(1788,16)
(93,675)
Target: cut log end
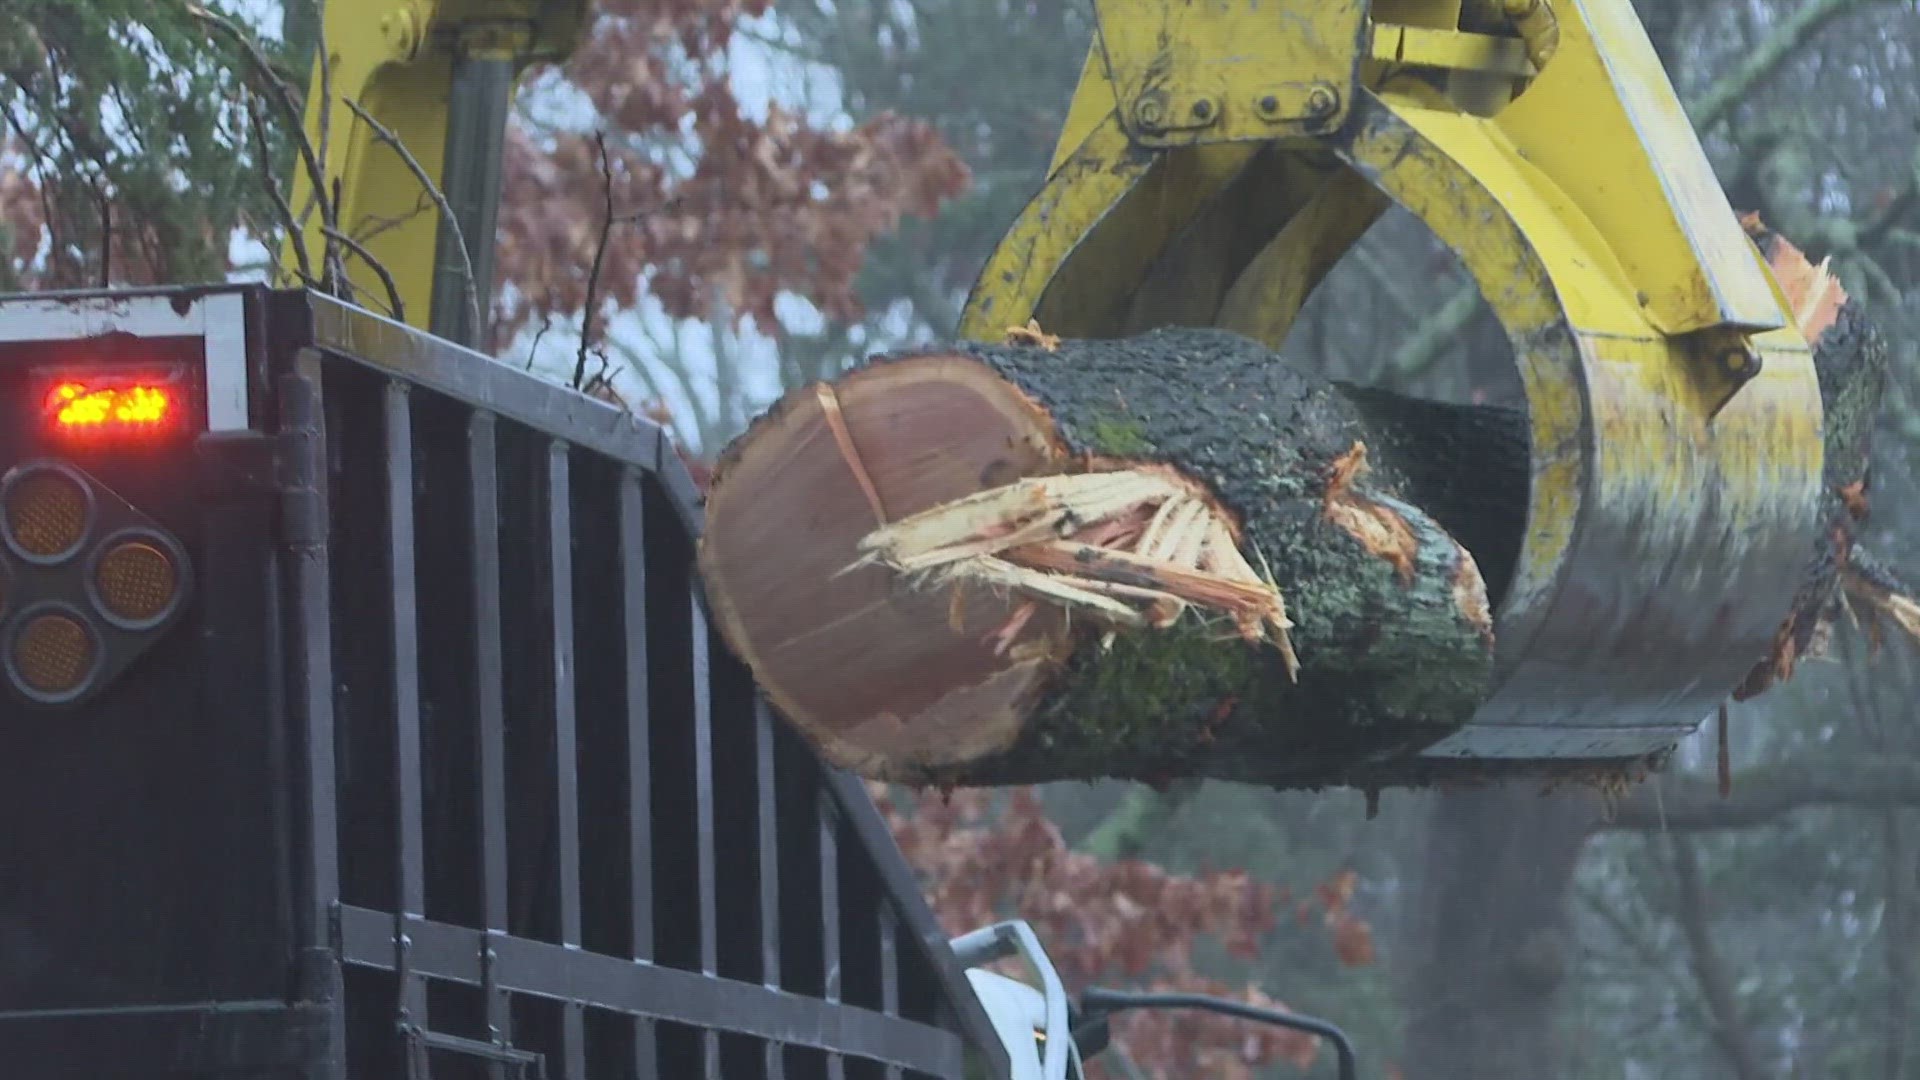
(878,673)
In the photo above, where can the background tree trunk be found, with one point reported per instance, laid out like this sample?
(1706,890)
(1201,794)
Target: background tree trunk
(1490,947)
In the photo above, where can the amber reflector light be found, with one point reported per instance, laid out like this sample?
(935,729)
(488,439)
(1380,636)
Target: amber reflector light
(136,581)
(53,653)
(46,515)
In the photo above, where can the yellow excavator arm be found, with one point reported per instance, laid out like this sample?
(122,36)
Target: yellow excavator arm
(1218,158)
(438,75)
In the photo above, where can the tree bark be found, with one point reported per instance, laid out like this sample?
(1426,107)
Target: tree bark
(1165,556)
(1168,556)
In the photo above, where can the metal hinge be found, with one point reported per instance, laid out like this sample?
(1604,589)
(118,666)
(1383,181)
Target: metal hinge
(244,464)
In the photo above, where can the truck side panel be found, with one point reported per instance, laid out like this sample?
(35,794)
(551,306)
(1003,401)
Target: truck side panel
(548,768)
(439,771)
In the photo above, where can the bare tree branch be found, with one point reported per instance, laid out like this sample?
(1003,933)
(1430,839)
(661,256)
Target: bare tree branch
(376,224)
(282,209)
(1709,968)
(82,145)
(318,198)
(336,264)
(386,135)
(106,239)
(533,350)
(36,155)
(1761,794)
(394,305)
(282,95)
(592,298)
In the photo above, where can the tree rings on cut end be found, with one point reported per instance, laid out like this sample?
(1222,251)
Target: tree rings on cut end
(883,677)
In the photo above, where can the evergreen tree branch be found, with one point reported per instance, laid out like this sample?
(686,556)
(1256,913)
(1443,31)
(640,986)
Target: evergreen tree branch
(282,96)
(1765,58)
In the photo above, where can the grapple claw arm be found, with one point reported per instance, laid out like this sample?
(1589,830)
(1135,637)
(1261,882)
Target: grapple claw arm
(1674,410)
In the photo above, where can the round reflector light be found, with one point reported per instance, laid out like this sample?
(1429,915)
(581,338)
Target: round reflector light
(136,580)
(45,513)
(53,654)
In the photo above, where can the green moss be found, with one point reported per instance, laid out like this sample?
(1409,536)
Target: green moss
(1119,436)
(1144,692)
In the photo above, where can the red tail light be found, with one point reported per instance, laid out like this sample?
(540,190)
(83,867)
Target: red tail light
(113,405)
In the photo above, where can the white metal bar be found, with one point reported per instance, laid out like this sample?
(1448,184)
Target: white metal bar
(50,319)
(225,325)
(217,319)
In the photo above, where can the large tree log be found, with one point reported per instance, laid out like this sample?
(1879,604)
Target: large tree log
(1171,556)
(1166,556)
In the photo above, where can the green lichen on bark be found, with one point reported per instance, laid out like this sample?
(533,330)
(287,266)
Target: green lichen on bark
(1118,436)
(1386,661)
(1152,688)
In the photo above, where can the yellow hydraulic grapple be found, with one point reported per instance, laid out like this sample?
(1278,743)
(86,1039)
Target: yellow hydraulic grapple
(1220,155)
(1218,158)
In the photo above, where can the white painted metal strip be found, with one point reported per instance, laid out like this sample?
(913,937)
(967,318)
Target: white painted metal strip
(61,320)
(226,351)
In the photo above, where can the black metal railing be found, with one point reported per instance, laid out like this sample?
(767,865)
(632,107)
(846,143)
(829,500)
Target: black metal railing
(554,829)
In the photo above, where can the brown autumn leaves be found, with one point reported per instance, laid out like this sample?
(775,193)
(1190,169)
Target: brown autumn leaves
(988,856)
(713,209)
